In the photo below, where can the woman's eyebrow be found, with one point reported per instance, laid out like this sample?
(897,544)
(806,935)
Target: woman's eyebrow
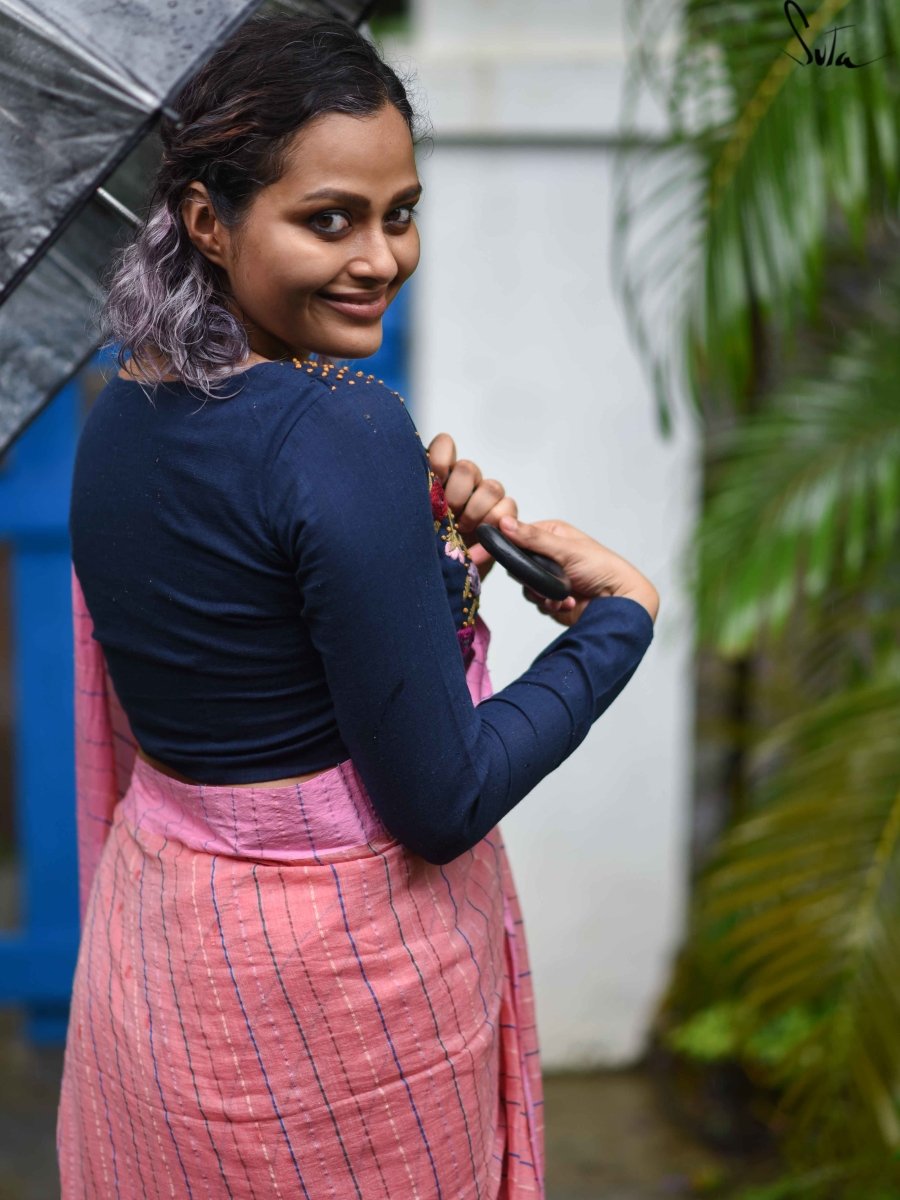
(343,197)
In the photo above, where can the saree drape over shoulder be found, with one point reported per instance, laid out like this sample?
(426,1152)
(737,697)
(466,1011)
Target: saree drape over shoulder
(274,998)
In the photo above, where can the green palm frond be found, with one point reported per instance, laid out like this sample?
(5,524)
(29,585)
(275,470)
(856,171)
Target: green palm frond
(729,215)
(771,181)
(805,894)
(806,493)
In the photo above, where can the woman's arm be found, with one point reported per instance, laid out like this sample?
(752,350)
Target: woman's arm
(349,505)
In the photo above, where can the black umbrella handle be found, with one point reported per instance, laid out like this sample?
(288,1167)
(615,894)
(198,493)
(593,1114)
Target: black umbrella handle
(536,571)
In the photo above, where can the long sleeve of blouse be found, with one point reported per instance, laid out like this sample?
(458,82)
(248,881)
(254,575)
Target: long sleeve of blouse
(441,770)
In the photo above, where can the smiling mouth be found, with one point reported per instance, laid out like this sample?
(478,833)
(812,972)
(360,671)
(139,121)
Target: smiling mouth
(366,307)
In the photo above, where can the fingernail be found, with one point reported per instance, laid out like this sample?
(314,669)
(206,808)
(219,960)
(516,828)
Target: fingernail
(510,524)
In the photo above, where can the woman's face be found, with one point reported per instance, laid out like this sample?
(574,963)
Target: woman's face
(337,224)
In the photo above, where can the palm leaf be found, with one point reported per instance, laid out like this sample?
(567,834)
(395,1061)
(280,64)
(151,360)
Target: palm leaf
(806,494)
(807,891)
(730,210)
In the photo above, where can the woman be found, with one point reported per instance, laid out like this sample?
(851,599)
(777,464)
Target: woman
(302,969)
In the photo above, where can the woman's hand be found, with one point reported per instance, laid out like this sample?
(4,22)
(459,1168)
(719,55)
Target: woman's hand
(473,499)
(593,569)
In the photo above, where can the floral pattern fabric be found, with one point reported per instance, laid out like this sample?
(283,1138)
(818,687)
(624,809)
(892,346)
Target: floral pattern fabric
(460,572)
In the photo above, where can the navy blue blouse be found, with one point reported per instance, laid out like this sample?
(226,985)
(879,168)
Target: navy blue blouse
(278,585)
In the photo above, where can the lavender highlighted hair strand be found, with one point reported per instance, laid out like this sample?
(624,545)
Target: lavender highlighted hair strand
(164,305)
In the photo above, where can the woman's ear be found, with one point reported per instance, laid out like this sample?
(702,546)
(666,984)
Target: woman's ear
(203,226)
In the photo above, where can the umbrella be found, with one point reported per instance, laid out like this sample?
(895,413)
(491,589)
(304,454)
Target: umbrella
(82,86)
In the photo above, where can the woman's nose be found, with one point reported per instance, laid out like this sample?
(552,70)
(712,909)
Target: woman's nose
(375,258)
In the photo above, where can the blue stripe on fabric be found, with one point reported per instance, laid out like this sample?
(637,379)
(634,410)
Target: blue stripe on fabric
(412,959)
(112,1140)
(468,943)
(126,1016)
(162,1098)
(299,1028)
(442,976)
(237,992)
(112,1023)
(386,1030)
(202,1026)
(184,1037)
(323,1014)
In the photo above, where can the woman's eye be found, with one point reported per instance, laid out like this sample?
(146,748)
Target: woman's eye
(336,221)
(407,208)
(327,216)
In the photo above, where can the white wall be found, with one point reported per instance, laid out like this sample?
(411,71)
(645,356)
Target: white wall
(521,353)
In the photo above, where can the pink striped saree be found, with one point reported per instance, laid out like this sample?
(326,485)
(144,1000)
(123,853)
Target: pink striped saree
(275,998)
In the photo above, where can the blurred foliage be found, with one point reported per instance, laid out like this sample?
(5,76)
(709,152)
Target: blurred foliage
(806,499)
(391,27)
(731,211)
(391,18)
(861,1178)
(758,258)
(734,1030)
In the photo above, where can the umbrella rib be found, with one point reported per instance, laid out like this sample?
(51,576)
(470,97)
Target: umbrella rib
(11,117)
(120,76)
(117,207)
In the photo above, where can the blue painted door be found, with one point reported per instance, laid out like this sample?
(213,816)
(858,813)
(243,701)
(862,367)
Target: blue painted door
(37,960)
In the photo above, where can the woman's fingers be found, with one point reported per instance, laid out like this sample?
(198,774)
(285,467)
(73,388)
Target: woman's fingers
(504,507)
(473,499)
(486,504)
(546,605)
(482,557)
(442,455)
(464,480)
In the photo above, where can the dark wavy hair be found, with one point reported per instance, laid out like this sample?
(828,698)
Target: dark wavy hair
(238,116)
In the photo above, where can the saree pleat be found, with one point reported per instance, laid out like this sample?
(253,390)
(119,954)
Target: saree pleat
(274,997)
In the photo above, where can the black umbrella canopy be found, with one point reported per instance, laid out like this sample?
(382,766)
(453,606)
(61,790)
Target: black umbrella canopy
(82,86)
